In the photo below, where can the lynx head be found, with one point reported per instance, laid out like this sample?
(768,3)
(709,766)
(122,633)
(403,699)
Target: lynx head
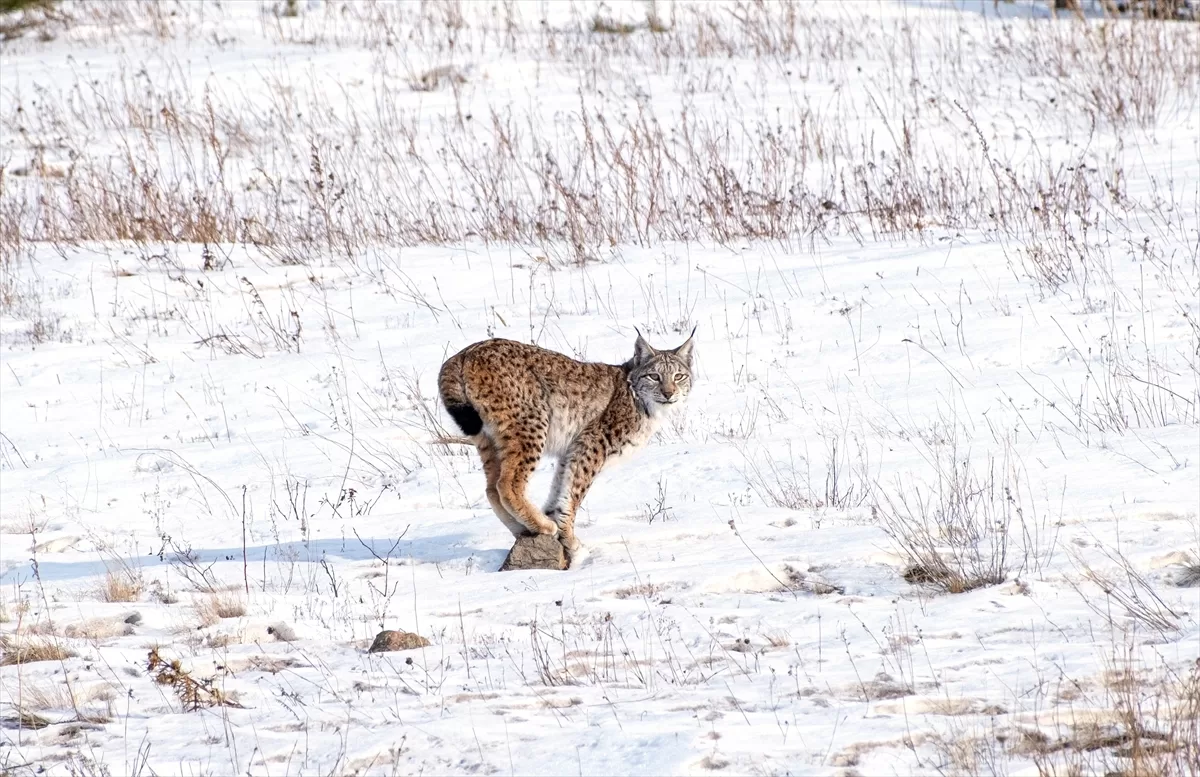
(661,378)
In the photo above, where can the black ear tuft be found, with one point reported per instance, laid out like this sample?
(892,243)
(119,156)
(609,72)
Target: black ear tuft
(685,351)
(642,350)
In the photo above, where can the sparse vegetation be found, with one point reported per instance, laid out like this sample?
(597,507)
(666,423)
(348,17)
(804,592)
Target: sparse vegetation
(121,584)
(1189,575)
(216,607)
(944,267)
(91,704)
(30,650)
(20,17)
(1150,728)
(194,694)
(621,179)
(435,78)
(1126,594)
(641,590)
(955,531)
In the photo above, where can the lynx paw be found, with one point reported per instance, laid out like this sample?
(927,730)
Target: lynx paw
(577,556)
(570,542)
(555,515)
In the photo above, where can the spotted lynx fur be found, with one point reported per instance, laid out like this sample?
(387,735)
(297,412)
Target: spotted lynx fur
(519,402)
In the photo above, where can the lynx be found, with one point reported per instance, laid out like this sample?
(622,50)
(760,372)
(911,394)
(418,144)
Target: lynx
(518,403)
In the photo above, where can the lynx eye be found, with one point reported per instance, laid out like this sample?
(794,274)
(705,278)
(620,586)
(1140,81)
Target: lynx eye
(655,377)
(679,376)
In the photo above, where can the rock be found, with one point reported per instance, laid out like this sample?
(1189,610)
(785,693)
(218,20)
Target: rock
(541,551)
(282,632)
(98,629)
(57,545)
(134,619)
(386,641)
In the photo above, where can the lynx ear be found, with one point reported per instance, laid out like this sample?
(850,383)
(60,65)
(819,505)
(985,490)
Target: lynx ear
(642,350)
(685,351)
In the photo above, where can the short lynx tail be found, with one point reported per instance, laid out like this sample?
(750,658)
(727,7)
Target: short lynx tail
(454,397)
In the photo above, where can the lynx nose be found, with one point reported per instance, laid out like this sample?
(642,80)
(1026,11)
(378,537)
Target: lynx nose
(668,391)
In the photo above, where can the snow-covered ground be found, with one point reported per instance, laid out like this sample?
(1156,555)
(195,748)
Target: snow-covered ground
(945,264)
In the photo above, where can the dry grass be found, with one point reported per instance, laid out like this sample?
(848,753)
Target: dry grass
(91,703)
(799,580)
(777,638)
(641,174)
(1188,575)
(216,607)
(436,78)
(23,719)
(1162,10)
(28,651)
(638,591)
(1128,597)
(1144,725)
(789,482)
(1151,731)
(954,532)
(121,585)
(632,170)
(22,17)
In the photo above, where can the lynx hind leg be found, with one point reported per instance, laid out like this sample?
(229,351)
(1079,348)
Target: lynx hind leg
(520,444)
(491,470)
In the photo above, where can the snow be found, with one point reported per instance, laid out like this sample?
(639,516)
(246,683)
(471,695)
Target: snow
(741,607)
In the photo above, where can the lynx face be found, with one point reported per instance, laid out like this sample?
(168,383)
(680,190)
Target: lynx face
(661,378)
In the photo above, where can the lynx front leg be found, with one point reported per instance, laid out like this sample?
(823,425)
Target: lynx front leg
(560,487)
(577,471)
(491,469)
(557,506)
